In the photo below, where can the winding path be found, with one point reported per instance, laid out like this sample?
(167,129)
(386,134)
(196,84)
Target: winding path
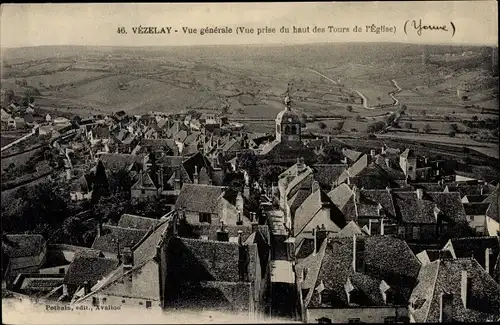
(392,93)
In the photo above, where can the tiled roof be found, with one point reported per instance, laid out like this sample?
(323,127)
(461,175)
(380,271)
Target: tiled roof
(144,182)
(116,161)
(90,269)
(160,144)
(197,160)
(296,200)
(384,197)
(204,260)
(114,235)
(475,247)
(369,286)
(476,209)
(137,222)
(350,230)
(101,132)
(352,155)
(385,258)
(326,174)
(414,210)
(311,206)
(444,276)
(200,198)
(23,245)
(340,195)
(492,211)
(146,248)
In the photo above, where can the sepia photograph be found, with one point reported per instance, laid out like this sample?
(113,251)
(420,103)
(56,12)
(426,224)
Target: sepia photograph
(296,162)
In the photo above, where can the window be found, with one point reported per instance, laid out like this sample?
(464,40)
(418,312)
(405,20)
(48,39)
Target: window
(401,231)
(287,129)
(205,217)
(61,270)
(410,168)
(416,232)
(148,304)
(354,320)
(123,301)
(143,191)
(95,301)
(103,300)
(141,303)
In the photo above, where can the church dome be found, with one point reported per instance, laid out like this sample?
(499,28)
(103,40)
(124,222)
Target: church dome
(287,116)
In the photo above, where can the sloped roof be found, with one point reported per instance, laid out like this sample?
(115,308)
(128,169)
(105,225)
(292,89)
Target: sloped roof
(475,247)
(90,269)
(200,198)
(144,182)
(326,174)
(137,222)
(414,210)
(492,211)
(116,161)
(384,197)
(340,195)
(444,276)
(114,236)
(352,155)
(350,230)
(146,248)
(476,209)
(23,245)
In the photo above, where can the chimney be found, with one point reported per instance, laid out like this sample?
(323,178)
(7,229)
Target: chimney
(465,288)
(379,209)
(356,193)
(240,237)
(239,222)
(196,179)
(372,153)
(99,228)
(487,253)
(436,211)
(255,222)
(382,150)
(175,221)
(290,248)
(321,234)
(177,185)
(426,161)
(354,252)
(160,177)
(223,234)
(382,227)
(128,259)
(420,193)
(329,139)
(315,241)
(314,186)
(300,165)
(388,189)
(86,287)
(446,308)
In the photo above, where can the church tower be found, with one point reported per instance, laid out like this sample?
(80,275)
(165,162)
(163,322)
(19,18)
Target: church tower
(288,125)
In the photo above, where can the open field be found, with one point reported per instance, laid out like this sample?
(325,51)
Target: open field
(324,80)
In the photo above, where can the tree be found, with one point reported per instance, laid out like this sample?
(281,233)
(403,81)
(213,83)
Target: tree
(330,155)
(454,127)
(358,118)
(120,181)
(248,162)
(269,173)
(339,126)
(451,134)
(72,229)
(322,125)
(101,184)
(423,112)
(375,127)
(427,128)
(349,108)
(475,118)
(408,125)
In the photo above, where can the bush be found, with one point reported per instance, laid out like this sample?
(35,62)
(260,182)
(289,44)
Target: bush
(427,128)
(358,118)
(339,126)
(349,108)
(375,127)
(451,134)
(408,125)
(454,127)
(322,125)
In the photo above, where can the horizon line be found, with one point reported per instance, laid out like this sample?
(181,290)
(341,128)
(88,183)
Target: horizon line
(255,44)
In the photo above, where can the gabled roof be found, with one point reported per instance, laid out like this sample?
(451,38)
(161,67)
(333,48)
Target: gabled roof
(101,132)
(350,230)
(352,155)
(476,247)
(146,248)
(385,258)
(90,269)
(382,197)
(326,174)
(408,153)
(200,198)
(23,245)
(137,222)
(476,209)
(444,276)
(340,195)
(114,237)
(414,210)
(115,161)
(492,211)
(144,182)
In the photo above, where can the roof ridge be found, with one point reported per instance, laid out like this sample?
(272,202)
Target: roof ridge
(438,262)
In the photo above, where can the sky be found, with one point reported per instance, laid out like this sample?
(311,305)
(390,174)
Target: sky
(476,22)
